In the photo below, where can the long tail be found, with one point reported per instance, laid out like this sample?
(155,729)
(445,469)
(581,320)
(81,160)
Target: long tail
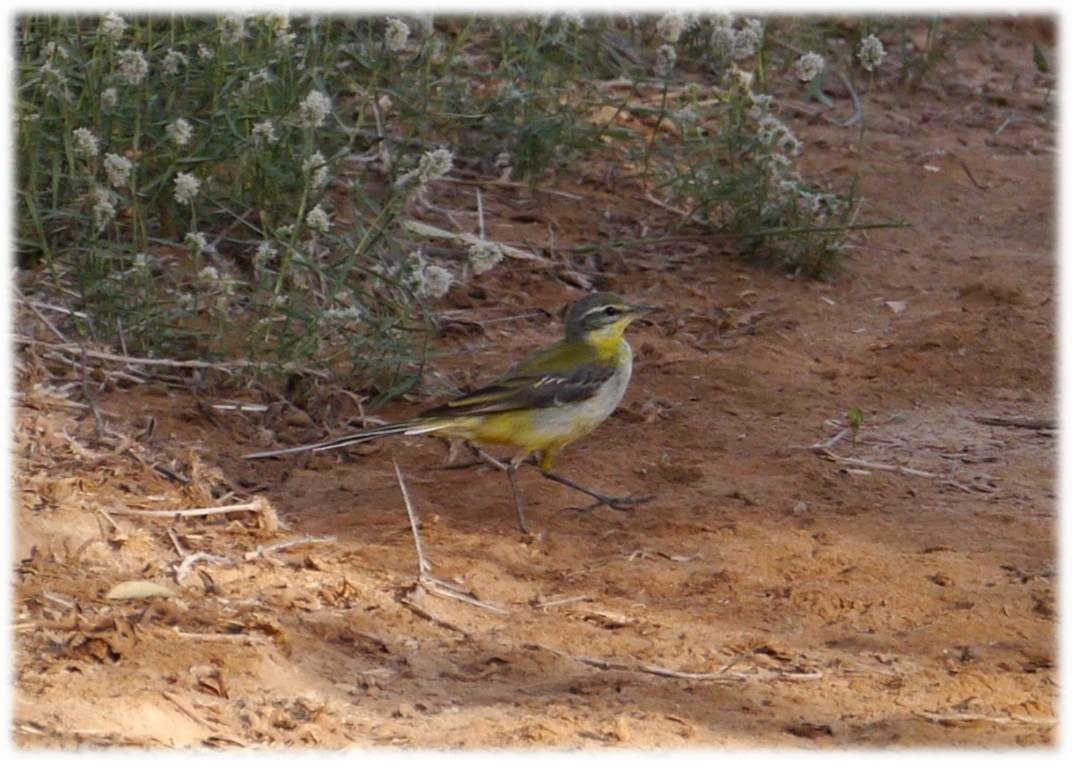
(411,427)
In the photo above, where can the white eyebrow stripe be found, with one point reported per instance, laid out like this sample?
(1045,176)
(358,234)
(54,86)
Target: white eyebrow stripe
(600,309)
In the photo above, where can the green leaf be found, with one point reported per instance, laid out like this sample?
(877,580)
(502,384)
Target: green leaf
(1041,62)
(856,420)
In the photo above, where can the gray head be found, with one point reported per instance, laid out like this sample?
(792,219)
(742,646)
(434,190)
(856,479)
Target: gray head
(604,313)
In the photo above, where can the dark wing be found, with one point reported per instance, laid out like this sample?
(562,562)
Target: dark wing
(518,391)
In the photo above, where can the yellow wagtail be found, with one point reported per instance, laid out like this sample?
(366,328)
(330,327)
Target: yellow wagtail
(541,404)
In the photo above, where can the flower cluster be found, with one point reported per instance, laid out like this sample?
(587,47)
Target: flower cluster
(483,256)
(173,62)
(343,315)
(435,164)
(187,186)
(196,242)
(432,165)
(670,27)
(737,44)
(232,29)
(395,35)
(113,26)
(85,142)
(118,169)
(103,208)
(871,52)
(314,109)
(809,66)
(180,131)
(316,169)
(318,220)
(434,281)
(133,68)
(665,60)
(263,134)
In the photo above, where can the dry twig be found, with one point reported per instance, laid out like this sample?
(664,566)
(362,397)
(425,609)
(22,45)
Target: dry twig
(257,505)
(182,569)
(1023,422)
(267,551)
(722,676)
(949,718)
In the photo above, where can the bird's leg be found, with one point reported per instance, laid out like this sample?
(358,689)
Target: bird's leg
(511,472)
(623,503)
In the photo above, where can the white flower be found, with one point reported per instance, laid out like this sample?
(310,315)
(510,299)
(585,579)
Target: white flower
(259,77)
(284,41)
(745,43)
(761,104)
(209,274)
(318,220)
(789,143)
(484,255)
(395,35)
(180,131)
(55,50)
(141,263)
(205,53)
(103,209)
(871,52)
(118,169)
(186,187)
(314,109)
(742,78)
(109,98)
(809,66)
(774,133)
(686,115)
(572,20)
(196,241)
(277,22)
(263,133)
(670,27)
(55,81)
(436,50)
(810,203)
(317,169)
(431,166)
(723,41)
(173,61)
(132,66)
(85,142)
(343,314)
(755,26)
(232,29)
(665,60)
(113,25)
(435,164)
(434,281)
(265,252)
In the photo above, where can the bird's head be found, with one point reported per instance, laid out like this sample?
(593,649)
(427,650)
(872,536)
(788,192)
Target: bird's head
(601,318)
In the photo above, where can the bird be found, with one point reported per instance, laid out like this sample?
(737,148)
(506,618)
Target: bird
(545,401)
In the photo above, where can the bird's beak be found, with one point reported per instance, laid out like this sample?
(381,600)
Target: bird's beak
(641,312)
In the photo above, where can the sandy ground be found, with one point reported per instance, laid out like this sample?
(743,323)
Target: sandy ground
(900,591)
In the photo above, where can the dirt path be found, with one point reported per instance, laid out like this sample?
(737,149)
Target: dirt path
(825,603)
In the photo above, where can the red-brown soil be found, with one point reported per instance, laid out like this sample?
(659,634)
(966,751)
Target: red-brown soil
(828,603)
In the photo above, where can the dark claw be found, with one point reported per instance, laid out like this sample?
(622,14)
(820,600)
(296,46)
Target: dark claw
(626,504)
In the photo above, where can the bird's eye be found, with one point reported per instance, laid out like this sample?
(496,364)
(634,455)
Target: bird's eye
(610,311)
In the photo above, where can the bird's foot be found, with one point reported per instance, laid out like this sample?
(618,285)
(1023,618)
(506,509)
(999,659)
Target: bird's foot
(625,503)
